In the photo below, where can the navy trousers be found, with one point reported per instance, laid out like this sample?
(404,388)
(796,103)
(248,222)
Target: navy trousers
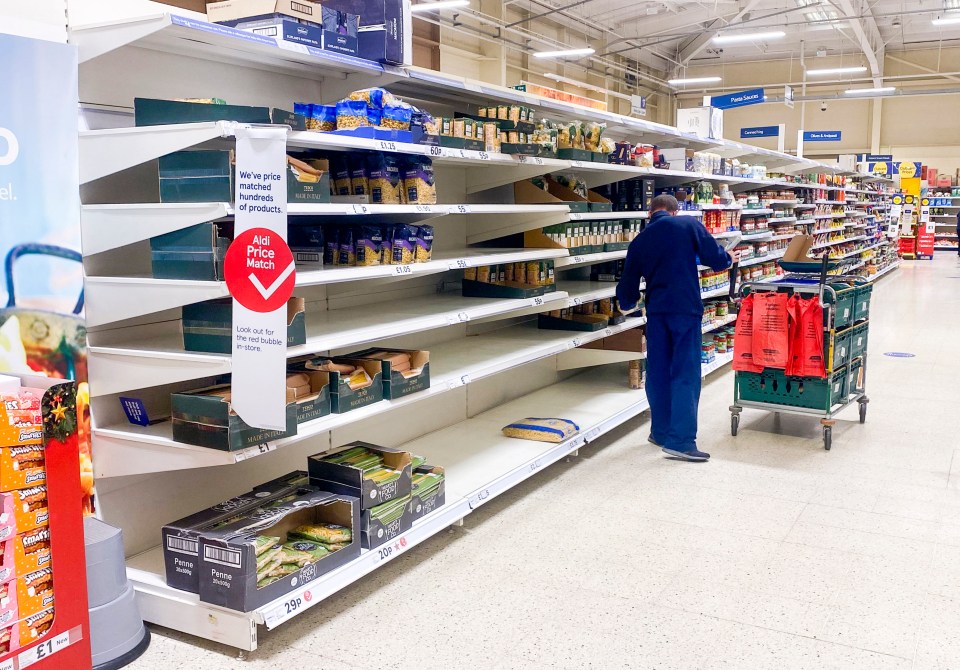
(673,379)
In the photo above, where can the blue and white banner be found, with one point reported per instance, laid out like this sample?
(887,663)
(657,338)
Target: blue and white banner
(760,131)
(821,135)
(752,97)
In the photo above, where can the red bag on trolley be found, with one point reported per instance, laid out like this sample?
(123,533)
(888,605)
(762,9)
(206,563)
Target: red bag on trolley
(743,338)
(806,338)
(771,336)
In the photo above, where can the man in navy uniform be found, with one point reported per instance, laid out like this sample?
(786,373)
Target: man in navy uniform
(666,254)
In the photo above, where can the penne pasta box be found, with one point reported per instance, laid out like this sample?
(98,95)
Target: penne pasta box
(270,551)
(385,522)
(404,371)
(383,474)
(429,490)
(181,539)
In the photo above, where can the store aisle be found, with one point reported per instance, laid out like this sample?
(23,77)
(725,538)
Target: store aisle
(776,554)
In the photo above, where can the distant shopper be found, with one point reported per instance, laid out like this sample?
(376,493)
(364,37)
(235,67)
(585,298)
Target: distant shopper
(665,254)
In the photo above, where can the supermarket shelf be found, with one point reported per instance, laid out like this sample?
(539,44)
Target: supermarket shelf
(945,236)
(789,236)
(830,202)
(151,361)
(890,268)
(757,237)
(754,211)
(829,216)
(856,252)
(806,221)
(580,292)
(588,259)
(480,463)
(782,219)
(805,205)
(780,202)
(763,259)
(940,247)
(719,323)
(606,216)
(106,227)
(125,449)
(715,293)
(112,299)
(729,233)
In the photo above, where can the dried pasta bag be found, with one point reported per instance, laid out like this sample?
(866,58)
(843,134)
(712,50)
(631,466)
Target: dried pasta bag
(323,117)
(374,116)
(331,249)
(541,430)
(263,543)
(424,244)
(369,246)
(348,251)
(359,175)
(384,179)
(375,97)
(324,533)
(305,110)
(403,244)
(267,558)
(341,175)
(419,181)
(351,114)
(304,551)
(397,116)
(592,133)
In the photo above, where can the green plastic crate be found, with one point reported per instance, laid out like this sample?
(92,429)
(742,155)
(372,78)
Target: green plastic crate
(858,342)
(854,383)
(845,308)
(773,387)
(862,311)
(842,343)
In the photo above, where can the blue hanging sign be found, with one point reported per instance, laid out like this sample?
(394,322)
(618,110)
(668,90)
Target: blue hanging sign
(760,131)
(878,158)
(821,136)
(752,97)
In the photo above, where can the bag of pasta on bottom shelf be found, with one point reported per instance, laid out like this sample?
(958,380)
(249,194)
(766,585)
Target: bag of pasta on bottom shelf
(273,550)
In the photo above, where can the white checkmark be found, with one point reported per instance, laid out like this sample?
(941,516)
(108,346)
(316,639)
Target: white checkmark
(270,290)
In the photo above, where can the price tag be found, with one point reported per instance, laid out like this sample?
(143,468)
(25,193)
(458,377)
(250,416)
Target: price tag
(536,302)
(480,498)
(387,146)
(461,209)
(577,302)
(535,465)
(361,209)
(608,332)
(423,209)
(43,650)
(460,264)
(436,151)
(7,665)
(402,269)
(251,452)
(483,155)
(461,317)
(289,608)
(575,342)
(390,551)
(534,160)
(463,153)
(576,164)
(591,434)
(577,260)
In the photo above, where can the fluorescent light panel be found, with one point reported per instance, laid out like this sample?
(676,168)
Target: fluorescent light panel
(442,4)
(749,37)
(586,51)
(869,91)
(694,80)
(947,21)
(838,70)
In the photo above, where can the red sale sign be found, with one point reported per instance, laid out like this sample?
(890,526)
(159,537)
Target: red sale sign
(259,270)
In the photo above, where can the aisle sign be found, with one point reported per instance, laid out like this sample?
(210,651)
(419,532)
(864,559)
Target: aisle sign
(880,169)
(788,96)
(821,136)
(760,131)
(638,105)
(752,97)
(260,275)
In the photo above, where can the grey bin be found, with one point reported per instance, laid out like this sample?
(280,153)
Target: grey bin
(117,634)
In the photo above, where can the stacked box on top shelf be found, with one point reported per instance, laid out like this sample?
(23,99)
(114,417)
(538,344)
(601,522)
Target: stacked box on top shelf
(380,477)
(26,577)
(510,280)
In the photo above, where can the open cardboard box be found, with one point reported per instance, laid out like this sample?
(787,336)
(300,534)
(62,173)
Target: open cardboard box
(423,505)
(348,480)
(208,326)
(228,560)
(209,421)
(400,384)
(318,403)
(526,193)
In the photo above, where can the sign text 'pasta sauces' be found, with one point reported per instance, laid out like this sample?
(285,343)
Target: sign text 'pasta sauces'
(260,275)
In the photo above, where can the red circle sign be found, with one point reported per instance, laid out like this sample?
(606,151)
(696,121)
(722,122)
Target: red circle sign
(259,270)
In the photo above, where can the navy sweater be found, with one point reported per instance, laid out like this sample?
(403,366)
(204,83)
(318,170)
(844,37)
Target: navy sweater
(665,254)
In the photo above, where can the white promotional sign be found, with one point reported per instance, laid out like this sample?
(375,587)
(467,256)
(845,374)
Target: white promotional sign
(788,96)
(638,105)
(931,226)
(906,221)
(260,274)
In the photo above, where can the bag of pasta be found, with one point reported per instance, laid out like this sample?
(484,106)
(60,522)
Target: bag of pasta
(592,133)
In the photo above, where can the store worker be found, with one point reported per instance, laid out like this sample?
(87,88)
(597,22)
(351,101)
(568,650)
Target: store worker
(665,255)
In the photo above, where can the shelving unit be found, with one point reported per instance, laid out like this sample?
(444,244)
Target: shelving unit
(490,364)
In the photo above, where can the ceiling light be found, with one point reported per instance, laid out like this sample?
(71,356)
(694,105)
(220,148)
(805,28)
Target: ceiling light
(838,70)
(870,91)
(951,20)
(442,4)
(586,51)
(749,37)
(694,80)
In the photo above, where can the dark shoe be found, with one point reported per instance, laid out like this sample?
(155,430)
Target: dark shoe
(693,455)
(653,441)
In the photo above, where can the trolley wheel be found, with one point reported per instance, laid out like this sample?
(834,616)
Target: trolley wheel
(863,412)
(827,437)
(734,424)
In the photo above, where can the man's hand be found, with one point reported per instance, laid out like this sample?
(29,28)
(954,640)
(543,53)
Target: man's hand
(734,256)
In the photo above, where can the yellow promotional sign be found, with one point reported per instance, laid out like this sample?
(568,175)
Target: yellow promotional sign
(879,169)
(925,202)
(898,200)
(910,185)
(907,169)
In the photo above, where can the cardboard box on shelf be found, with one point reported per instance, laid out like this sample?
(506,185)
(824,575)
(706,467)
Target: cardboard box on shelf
(383,28)
(33,592)
(206,418)
(397,383)
(318,403)
(426,499)
(385,522)
(21,421)
(23,510)
(180,539)
(208,326)
(196,252)
(234,10)
(31,551)
(349,480)
(229,560)
(33,627)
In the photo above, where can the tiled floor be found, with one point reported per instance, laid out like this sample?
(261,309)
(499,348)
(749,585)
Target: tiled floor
(776,554)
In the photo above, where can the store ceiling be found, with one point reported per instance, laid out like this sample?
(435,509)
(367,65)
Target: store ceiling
(673,34)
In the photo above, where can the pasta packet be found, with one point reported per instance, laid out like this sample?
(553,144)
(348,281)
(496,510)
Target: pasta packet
(423,251)
(375,97)
(359,175)
(369,246)
(348,252)
(384,179)
(351,114)
(592,133)
(340,169)
(331,249)
(403,244)
(419,181)
(397,116)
